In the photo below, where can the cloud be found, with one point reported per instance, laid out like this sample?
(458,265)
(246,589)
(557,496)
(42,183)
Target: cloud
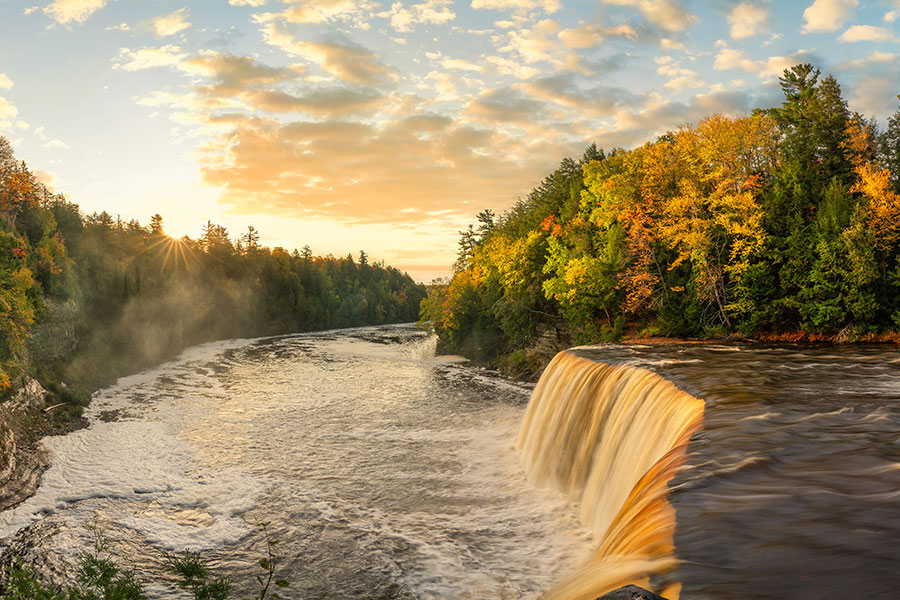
(874,78)
(604,66)
(680,78)
(536,44)
(874,59)
(190,101)
(54,144)
(670,44)
(408,170)
(5,82)
(253,3)
(427,122)
(458,64)
(506,105)
(866,33)
(823,16)
(7,110)
(773,66)
(514,68)
(670,15)
(241,83)
(661,115)
(891,16)
(431,11)
(48,179)
(148,58)
(320,11)
(322,101)
(233,74)
(876,94)
(747,20)
(413,163)
(65,12)
(345,61)
(443,83)
(521,6)
(590,35)
(728,58)
(338,57)
(566,89)
(170,24)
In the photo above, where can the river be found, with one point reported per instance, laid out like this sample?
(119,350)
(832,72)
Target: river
(384,469)
(793,487)
(378,465)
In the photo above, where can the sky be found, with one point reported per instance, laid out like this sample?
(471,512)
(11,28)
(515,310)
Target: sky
(351,125)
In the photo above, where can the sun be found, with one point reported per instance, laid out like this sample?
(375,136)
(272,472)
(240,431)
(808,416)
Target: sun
(173,254)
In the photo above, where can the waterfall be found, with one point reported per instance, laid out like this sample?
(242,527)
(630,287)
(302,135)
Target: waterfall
(611,437)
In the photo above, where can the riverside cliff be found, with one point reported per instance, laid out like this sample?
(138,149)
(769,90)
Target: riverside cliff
(24,419)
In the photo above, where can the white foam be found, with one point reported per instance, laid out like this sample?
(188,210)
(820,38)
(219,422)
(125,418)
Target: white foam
(141,462)
(166,465)
(762,417)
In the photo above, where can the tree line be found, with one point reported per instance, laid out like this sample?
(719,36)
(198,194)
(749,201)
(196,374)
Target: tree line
(782,223)
(87,298)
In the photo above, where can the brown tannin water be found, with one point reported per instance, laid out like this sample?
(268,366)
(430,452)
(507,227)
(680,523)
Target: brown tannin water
(792,488)
(715,472)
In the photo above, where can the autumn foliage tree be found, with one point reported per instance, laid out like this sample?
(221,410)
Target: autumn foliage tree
(85,298)
(783,221)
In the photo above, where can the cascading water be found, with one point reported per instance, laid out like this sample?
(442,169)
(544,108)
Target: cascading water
(611,437)
(383,467)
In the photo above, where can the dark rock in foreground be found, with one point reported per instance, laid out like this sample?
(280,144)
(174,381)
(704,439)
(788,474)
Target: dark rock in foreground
(630,592)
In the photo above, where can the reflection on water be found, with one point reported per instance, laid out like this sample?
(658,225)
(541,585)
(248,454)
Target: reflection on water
(794,484)
(613,437)
(376,463)
(379,464)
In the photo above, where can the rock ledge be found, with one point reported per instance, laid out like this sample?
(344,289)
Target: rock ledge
(630,592)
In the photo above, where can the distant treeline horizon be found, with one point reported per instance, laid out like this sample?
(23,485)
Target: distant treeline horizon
(782,223)
(85,299)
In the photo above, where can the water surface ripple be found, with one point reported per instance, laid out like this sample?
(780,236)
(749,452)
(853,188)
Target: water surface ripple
(381,465)
(793,488)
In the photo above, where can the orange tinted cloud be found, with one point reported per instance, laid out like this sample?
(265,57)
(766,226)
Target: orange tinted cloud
(337,57)
(408,170)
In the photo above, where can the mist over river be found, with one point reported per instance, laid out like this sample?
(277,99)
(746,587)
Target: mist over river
(377,464)
(381,466)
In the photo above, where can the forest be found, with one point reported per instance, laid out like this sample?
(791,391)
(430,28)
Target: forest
(87,298)
(784,224)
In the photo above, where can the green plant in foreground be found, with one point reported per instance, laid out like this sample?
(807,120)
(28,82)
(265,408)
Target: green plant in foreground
(268,564)
(21,584)
(99,578)
(194,576)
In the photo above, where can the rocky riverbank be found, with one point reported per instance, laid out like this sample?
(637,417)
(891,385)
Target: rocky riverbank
(24,420)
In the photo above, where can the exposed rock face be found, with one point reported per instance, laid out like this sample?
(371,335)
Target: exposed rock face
(21,461)
(551,339)
(31,395)
(630,592)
